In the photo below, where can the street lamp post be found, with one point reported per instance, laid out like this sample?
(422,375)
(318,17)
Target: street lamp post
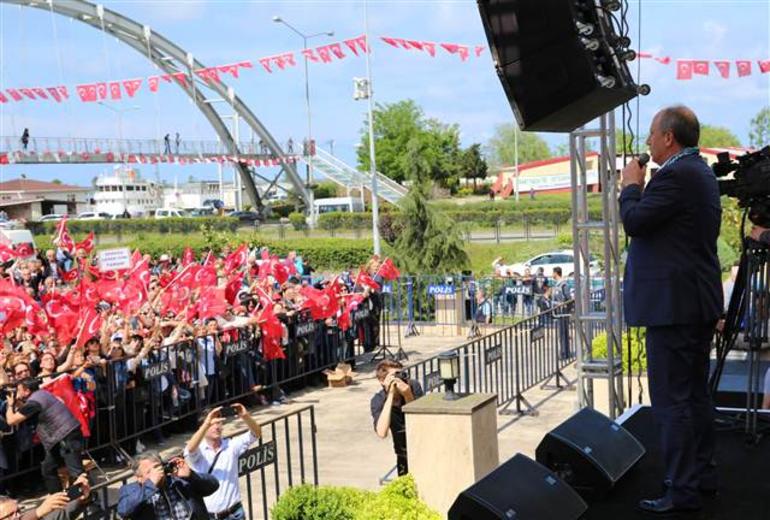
(120,112)
(372,162)
(237,181)
(309,158)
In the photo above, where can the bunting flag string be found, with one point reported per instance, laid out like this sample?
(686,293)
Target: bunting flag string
(116,90)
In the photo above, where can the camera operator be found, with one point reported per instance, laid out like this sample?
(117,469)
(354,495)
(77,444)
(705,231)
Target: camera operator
(170,491)
(58,429)
(397,390)
(54,507)
(208,453)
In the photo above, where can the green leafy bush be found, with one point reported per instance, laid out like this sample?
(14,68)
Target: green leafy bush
(298,221)
(638,352)
(282,210)
(465,191)
(396,501)
(137,225)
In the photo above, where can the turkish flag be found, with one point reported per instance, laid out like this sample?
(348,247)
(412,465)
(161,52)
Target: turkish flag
(336,49)
(101,90)
(454,48)
(111,290)
(7,254)
(743,67)
(324,53)
(115,92)
(764,66)
(62,388)
(28,92)
(14,94)
(230,68)
(289,59)
(388,270)
(211,303)
(272,332)
(90,323)
(175,299)
(40,92)
(132,298)
(180,78)
(140,274)
(153,81)
(354,44)
(206,276)
(88,292)
(723,67)
(237,258)
(24,250)
(54,93)
(36,320)
(3,99)
(701,67)
(309,54)
(665,60)
(479,49)
(265,62)
(234,285)
(188,257)
(393,42)
(87,244)
(319,303)
(63,92)
(131,86)
(684,69)
(430,48)
(70,276)
(87,92)
(63,316)
(364,279)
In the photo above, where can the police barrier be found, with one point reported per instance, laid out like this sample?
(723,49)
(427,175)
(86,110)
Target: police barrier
(285,456)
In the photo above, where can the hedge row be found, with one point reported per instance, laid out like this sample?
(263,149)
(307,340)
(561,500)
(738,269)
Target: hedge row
(322,253)
(341,220)
(137,225)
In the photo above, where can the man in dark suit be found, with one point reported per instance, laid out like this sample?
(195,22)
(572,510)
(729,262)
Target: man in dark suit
(672,285)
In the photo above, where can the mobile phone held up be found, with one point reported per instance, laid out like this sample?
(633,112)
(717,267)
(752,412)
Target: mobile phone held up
(228,411)
(74,492)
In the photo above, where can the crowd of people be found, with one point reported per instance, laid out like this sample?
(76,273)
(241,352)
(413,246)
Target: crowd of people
(94,357)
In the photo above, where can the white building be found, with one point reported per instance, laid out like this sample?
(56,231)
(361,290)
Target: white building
(191,195)
(30,199)
(125,190)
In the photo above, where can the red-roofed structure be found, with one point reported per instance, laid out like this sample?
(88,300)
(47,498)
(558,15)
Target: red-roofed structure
(30,199)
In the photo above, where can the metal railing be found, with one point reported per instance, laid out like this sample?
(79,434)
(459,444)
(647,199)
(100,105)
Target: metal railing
(96,145)
(285,455)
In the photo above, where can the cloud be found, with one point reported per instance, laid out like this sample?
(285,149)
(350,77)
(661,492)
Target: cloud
(715,32)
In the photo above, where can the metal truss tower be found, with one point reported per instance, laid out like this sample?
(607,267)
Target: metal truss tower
(591,317)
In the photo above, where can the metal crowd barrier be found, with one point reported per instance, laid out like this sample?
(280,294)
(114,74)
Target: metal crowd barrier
(285,455)
(511,360)
(173,384)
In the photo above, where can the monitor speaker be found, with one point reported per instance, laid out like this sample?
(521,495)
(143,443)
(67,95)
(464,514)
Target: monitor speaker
(559,61)
(519,489)
(590,452)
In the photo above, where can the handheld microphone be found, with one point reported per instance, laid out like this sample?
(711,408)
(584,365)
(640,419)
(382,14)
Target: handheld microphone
(643,159)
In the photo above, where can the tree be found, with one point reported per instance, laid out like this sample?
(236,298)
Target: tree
(632,146)
(717,137)
(324,190)
(403,125)
(56,181)
(501,147)
(472,164)
(759,130)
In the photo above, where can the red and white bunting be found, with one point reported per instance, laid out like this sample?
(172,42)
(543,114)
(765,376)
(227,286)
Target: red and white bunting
(684,69)
(54,92)
(115,92)
(723,66)
(3,99)
(153,82)
(764,66)
(744,67)
(28,93)
(265,62)
(40,92)
(132,86)
(310,55)
(701,67)
(87,92)
(324,53)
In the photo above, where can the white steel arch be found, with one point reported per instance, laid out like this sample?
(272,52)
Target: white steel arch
(171,58)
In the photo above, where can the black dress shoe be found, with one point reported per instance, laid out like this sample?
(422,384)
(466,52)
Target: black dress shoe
(708,491)
(664,505)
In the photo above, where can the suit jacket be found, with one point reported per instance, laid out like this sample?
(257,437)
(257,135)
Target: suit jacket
(135,500)
(672,274)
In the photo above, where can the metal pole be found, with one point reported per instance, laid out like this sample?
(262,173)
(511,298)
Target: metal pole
(516,161)
(309,158)
(372,163)
(236,170)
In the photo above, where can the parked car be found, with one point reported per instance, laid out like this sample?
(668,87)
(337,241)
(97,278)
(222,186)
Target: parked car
(92,215)
(52,217)
(207,211)
(245,216)
(548,261)
(170,212)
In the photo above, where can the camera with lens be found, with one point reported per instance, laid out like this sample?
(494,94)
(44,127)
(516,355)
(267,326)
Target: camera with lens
(403,375)
(750,183)
(169,467)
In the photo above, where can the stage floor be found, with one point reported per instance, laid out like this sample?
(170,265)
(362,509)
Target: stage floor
(744,471)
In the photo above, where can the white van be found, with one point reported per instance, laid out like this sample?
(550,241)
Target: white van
(346,204)
(170,213)
(15,237)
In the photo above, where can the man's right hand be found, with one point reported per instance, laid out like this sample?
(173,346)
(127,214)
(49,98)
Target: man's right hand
(212,416)
(156,474)
(756,232)
(52,503)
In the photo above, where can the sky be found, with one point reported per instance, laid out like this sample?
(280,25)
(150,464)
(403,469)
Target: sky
(41,49)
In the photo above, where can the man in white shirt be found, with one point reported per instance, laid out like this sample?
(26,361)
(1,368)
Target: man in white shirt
(208,452)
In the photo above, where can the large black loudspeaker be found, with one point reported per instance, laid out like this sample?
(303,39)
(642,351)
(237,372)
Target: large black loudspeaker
(590,452)
(560,62)
(520,489)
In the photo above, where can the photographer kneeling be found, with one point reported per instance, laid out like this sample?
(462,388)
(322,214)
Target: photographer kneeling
(397,390)
(58,506)
(170,491)
(210,454)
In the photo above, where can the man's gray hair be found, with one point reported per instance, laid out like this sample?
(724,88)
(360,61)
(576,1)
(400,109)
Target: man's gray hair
(682,123)
(154,456)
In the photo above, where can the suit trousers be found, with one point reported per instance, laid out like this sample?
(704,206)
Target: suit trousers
(678,369)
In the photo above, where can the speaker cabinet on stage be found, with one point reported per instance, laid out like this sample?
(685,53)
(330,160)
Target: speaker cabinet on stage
(590,452)
(520,489)
(555,77)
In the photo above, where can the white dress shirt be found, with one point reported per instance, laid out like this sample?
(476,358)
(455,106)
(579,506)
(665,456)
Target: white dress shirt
(225,470)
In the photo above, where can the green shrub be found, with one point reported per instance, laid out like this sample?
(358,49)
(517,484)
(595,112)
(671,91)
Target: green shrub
(728,256)
(282,210)
(638,352)
(298,221)
(465,191)
(137,225)
(396,501)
